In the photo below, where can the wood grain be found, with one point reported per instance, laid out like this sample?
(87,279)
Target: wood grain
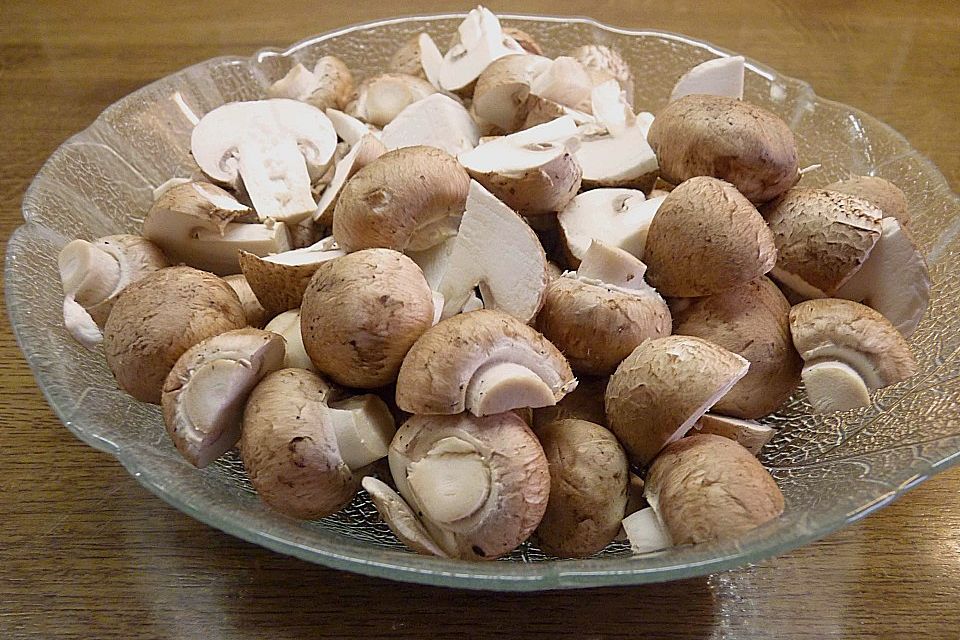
(85,552)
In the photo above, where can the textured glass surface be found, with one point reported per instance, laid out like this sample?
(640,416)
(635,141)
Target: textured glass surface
(833,469)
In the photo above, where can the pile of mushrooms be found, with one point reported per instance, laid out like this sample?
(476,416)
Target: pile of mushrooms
(462,266)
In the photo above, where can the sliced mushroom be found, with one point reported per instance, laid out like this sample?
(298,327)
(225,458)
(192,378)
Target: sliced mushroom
(600,314)
(705,238)
(750,320)
(484,362)
(271,145)
(879,192)
(828,329)
(361,313)
(205,392)
(329,86)
(435,261)
(585,402)
(749,433)
(623,160)
(541,111)
(617,217)
(407,199)
(497,252)
(435,121)
(478,485)
(834,386)
(157,318)
(588,488)
(480,41)
(524,39)
(894,279)
(94,274)
(304,455)
(348,128)
(287,324)
(252,309)
(364,152)
(533,171)
(419,56)
(646,532)
(564,81)
(500,96)
(279,280)
(822,237)
(661,389)
(381,98)
(707,488)
(603,63)
(401,519)
(717,77)
(609,106)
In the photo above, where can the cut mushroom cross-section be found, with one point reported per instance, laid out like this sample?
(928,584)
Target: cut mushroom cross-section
(419,56)
(717,77)
(480,41)
(500,96)
(484,362)
(205,392)
(365,151)
(435,121)
(272,146)
(617,217)
(382,98)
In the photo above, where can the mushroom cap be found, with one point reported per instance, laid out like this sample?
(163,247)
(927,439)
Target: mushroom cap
(705,238)
(500,96)
(289,447)
(588,488)
(707,487)
(597,326)
(205,392)
(443,372)
(381,98)
(663,387)
(499,452)
(881,193)
(252,309)
(279,281)
(399,197)
(335,86)
(834,329)
(750,320)
(361,313)
(822,238)
(701,135)
(156,319)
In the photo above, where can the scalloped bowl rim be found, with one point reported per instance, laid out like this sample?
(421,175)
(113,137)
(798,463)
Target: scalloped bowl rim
(495,575)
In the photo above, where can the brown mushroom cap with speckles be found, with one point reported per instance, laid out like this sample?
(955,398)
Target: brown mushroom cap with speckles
(156,319)
(361,313)
(706,238)
(701,135)
(881,193)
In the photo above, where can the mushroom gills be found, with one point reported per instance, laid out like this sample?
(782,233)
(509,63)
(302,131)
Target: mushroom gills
(451,482)
(834,386)
(501,386)
(645,531)
(364,427)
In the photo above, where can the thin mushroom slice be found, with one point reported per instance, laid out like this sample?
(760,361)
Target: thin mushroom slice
(348,128)
(205,392)
(480,41)
(481,361)
(365,151)
(623,159)
(435,121)
(749,433)
(400,518)
(419,56)
(717,77)
(287,324)
(252,309)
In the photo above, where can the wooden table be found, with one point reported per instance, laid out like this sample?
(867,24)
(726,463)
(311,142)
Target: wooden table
(85,552)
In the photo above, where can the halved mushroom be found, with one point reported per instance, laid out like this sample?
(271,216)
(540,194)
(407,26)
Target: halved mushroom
(564,81)
(434,261)
(749,433)
(717,77)
(621,160)
(329,86)
(832,330)
(407,199)
(303,453)
(497,252)
(500,96)
(822,237)
(435,121)
(479,486)
(480,41)
(588,488)
(93,276)
(364,152)
(271,145)
(532,171)
(381,98)
(157,318)
(585,402)
(419,56)
(894,279)
(603,63)
(279,280)
(600,314)
(348,128)
(203,226)
(705,238)
(205,392)
(879,192)
(287,324)
(661,389)
(750,320)
(361,313)
(484,362)
(617,217)
(252,309)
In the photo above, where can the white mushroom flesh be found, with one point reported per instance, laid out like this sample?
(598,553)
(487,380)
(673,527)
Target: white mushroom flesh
(717,77)
(451,482)
(500,386)
(645,531)
(834,386)
(435,121)
(287,324)
(364,427)
(481,41)
(617,217)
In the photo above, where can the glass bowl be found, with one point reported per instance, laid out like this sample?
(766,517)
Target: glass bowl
(833,469)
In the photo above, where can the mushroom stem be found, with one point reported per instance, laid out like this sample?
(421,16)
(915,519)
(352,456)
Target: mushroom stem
(646,532)
(451,482)
(834,386)
(80,325)
(89,274)
(500,386)
(364,427)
